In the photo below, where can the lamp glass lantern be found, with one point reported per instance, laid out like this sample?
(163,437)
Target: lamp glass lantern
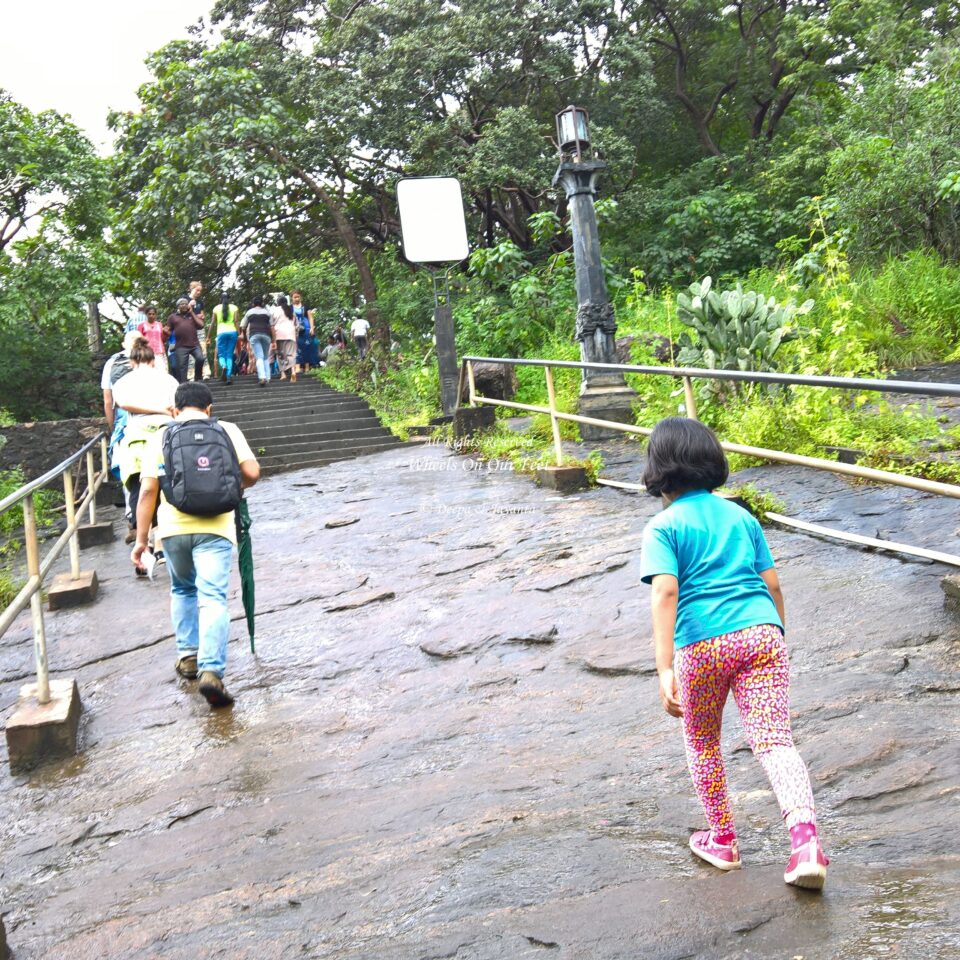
(573,131)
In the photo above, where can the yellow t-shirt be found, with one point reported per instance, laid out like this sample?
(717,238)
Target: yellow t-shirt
(170,521)
(226,324)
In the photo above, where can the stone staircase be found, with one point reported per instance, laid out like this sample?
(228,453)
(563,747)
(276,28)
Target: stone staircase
(302,424)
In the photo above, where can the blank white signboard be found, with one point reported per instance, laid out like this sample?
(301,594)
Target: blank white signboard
(431,219)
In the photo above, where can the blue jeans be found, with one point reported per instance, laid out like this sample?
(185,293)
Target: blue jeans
(260,345)
(199,565)
(226,344)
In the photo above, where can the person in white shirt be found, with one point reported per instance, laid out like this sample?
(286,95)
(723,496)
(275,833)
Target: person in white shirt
(147,396)
(359,329)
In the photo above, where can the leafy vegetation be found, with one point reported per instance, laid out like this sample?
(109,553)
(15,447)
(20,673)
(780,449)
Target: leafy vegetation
(11,526)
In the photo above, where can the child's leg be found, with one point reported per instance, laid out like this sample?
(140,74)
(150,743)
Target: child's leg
(762,693)
(703,679)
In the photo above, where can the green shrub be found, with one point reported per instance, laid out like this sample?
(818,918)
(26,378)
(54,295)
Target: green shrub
(12,520)
(908,312)
(403,394)
(736,330)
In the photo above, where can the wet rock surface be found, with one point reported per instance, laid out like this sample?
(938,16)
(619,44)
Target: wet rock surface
(449,743)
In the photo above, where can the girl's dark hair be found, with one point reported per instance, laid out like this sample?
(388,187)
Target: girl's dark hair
(258,301)
(285,307)
(141,351)
(683,455)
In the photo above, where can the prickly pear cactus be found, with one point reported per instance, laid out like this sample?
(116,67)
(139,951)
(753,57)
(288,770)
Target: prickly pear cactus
(735,330)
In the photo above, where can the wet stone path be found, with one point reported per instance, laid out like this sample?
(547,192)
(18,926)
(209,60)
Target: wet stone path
(449,743)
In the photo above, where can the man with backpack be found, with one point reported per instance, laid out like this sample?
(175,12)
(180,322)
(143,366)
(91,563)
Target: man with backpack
(198,468)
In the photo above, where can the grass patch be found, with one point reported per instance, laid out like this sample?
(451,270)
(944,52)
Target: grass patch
(759,502)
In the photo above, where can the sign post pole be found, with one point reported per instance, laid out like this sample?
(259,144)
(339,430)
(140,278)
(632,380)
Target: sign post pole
(446,343)
(435,232)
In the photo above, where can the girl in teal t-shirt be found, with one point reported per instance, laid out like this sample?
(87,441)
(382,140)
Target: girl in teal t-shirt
(718,621)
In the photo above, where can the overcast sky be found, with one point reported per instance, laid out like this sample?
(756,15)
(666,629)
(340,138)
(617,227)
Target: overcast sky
(85,57)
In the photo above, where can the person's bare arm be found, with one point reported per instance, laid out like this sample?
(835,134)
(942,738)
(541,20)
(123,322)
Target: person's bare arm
(772,581)
(108,409)
(666,591)
(146,507)
(249,473)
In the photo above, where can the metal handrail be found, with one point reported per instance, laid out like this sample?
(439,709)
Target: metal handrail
(38,569)
(32,485)
(750,376)
(687,375)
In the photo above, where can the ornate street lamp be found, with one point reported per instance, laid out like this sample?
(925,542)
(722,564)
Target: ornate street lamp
(603,394)
(573,131)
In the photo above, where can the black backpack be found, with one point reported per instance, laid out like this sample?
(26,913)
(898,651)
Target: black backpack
(201,469)
(120,368)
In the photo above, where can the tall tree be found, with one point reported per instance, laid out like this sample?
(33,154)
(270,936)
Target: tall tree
(737,68)
(53,261)
(227,149)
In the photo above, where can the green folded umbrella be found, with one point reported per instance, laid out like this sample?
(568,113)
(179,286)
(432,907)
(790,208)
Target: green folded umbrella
(245,558)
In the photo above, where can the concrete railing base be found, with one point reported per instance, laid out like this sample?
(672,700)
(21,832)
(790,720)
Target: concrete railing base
(65,591)
(37,732)
(563,479)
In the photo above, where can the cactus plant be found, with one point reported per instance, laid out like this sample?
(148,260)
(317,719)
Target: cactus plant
(736,330)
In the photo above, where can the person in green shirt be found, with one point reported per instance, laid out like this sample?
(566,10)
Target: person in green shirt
(225,317)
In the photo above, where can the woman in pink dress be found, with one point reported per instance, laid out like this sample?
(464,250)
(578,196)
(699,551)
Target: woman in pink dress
(152,331)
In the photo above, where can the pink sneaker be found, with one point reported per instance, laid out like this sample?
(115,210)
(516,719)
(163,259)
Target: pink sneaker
(724,856)
(807,866)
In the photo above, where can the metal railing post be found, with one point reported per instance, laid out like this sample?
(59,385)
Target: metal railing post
(473,384)
(36,601)
(689,400)
(71,506)
(554,425)
(91,479)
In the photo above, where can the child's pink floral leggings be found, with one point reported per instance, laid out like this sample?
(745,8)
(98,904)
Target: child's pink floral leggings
(753,663)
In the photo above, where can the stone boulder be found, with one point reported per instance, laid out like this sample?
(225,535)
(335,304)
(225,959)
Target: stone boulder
(660,345)
(495,380)
(36,447)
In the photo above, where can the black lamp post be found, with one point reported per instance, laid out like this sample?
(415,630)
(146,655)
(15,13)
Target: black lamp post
(603,394)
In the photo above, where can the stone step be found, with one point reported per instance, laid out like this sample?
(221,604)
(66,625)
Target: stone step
(306,402)
(313,445)
(303,424)
(331,452)
(299,446)
(262,394)
(282,464)
(296,425)
(267,438)
(305,411)
(252,383)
